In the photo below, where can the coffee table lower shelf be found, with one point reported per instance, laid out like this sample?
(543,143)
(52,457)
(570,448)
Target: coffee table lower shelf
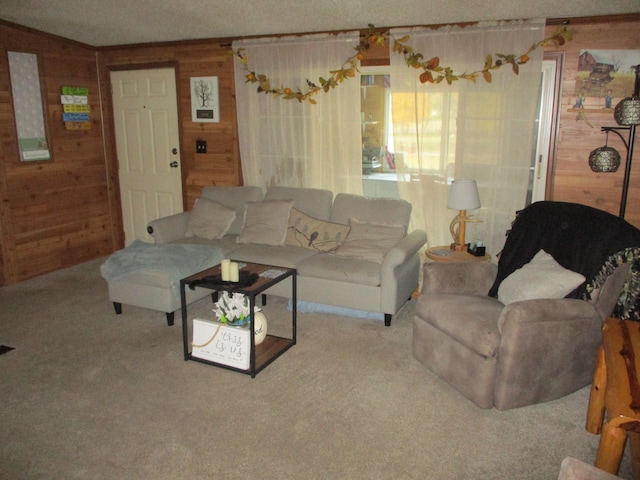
(266,352)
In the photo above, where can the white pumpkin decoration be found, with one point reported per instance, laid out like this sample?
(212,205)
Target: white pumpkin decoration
(259,327)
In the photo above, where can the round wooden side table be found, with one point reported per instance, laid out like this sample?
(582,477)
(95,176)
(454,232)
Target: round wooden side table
(445,254)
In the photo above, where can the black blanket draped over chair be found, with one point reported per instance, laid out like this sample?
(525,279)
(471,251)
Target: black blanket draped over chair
(580,238)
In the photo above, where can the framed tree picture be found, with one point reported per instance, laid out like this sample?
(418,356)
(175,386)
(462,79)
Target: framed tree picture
(204,99)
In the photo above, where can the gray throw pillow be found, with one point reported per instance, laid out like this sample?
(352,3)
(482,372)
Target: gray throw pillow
(265,223)
(209,219)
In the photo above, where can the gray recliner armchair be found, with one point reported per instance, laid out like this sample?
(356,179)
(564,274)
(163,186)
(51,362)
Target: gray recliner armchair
(534,350)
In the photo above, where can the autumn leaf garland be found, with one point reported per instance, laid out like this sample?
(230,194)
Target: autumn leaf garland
(432,71)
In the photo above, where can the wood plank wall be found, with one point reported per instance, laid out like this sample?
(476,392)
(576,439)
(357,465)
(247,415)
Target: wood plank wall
(63,212)
(573,180)
(221,164)
(53,214)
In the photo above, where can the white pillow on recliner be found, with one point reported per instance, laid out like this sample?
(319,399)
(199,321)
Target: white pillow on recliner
(542,277)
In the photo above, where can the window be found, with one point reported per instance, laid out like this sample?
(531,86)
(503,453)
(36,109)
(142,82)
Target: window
(436,139)
(379,178)
(375,109)
(389,137)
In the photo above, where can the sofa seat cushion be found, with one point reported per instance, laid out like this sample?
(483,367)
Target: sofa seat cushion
(370,241)
(151,278)
(343,269)
(286,256)
(173,260)
(470,320)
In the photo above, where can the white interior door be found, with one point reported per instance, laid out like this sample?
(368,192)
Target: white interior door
(147,143)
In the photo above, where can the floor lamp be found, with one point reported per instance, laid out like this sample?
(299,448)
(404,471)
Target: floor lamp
(607,159)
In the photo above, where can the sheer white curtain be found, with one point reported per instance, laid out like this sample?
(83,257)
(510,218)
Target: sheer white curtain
(482,131)
(289,143)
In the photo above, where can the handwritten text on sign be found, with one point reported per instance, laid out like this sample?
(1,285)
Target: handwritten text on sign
(221,343)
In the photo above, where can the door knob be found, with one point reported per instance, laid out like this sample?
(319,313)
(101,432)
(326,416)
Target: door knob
(173,164)
(174,151)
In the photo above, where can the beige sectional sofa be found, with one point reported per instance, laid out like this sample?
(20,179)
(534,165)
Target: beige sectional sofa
(349,251)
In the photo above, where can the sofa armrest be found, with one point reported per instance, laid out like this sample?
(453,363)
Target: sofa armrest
(168,229)
(555,311)
(547,350)
(458,278)
(404,249)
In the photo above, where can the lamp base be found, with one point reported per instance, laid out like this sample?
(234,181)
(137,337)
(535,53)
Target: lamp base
(459,248)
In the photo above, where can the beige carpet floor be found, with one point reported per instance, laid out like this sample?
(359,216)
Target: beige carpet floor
(87,394)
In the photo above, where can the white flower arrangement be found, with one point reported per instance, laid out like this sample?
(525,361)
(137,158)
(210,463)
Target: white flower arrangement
(232,308)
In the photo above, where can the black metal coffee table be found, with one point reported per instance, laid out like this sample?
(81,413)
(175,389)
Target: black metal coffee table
(263,276)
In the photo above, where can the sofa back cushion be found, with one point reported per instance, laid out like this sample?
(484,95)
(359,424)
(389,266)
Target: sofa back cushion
(235,198)
(314,202)
(382,211)
(209,219)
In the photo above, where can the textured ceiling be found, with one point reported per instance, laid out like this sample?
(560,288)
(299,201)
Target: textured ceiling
(119,22)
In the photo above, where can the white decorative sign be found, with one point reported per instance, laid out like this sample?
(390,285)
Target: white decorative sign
(221,343)
(74,99)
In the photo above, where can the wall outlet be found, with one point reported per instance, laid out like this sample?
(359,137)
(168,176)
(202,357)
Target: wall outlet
(201,146)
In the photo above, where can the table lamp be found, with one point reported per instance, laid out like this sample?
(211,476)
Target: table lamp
(463,196)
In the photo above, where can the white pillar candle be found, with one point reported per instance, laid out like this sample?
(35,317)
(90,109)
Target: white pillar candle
(225,269)
(234,272)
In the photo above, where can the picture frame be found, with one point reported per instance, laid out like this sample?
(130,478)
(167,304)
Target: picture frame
(205,106)
(607,74)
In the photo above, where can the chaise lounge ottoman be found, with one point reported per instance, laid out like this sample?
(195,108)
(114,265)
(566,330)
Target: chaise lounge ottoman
(148,275)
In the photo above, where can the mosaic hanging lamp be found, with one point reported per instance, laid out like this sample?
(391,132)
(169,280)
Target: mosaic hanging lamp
(627,111)
(604,159)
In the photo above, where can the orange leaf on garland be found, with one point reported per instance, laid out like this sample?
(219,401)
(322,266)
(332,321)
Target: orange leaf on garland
(433,63)
(426,77)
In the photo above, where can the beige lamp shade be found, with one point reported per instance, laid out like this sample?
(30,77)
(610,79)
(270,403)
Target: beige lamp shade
(463,195)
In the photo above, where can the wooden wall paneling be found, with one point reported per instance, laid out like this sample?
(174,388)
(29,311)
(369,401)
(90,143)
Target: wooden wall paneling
(574,181)
(54,213)
(192,59)
(58,213)
(8,150)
